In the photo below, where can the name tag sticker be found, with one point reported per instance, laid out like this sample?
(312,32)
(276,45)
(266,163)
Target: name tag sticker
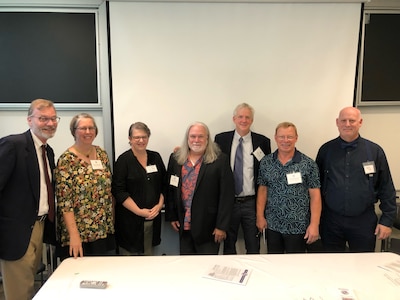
(369,167)
(258,153)
(174,180)
(96,164)
(294,178)
(151,169)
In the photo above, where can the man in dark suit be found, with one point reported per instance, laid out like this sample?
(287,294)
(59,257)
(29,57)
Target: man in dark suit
(254,147)
(200,196)
(24,199)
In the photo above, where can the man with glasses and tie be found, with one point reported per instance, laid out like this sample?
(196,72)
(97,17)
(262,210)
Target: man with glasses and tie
(288,199)
(354,176)
(26,199)
(245,149)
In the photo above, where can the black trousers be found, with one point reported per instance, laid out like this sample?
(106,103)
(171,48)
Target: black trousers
(356,232)
(244,214)
(188,245)
(279,243)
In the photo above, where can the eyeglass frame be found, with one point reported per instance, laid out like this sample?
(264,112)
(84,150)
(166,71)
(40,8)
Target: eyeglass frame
(46,119)
(84,129)
(284,137)
(138,138)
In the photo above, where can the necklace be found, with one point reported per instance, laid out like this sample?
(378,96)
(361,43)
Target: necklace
(86,155)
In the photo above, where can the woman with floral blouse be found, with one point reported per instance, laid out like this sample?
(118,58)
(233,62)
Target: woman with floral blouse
(83,190)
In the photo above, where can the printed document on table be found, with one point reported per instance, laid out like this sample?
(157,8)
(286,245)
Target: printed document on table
(228,274)
(392,272)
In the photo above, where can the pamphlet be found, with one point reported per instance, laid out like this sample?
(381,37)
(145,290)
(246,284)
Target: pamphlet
(392,272)
(228,274)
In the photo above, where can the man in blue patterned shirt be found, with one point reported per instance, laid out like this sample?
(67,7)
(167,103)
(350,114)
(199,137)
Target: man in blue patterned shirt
(289,198)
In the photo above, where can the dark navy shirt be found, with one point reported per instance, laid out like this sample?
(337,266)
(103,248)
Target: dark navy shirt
(346,188)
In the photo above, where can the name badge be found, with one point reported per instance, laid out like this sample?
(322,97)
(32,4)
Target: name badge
(369,167)
(258,153)
(294,178)
(174,180)
(96,164)
(151,169)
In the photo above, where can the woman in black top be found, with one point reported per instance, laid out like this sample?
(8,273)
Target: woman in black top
(137,186)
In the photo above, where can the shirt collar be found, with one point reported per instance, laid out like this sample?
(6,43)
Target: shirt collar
(38,143)
(352,144)
(296,157)
(246,137)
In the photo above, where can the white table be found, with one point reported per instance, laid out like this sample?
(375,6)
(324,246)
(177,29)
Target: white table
(295,276)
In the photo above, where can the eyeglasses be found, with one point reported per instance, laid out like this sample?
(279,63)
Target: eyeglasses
(282,137)
(84,129)
(138,138)
(47,119)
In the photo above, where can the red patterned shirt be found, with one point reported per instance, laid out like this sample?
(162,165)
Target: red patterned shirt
(190,173)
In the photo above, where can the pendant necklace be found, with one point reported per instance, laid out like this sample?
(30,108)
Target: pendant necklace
(86,155)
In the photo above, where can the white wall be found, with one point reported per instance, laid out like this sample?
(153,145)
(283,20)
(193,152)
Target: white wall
(381,125)
(12,122)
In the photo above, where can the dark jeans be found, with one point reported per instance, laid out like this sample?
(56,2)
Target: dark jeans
(357,231)
(279,243)
(244,213)
(189,247)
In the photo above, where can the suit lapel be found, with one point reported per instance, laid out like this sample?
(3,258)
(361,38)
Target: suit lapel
(50,157)
(229,143)
(255,160)
(254,142)
(202,171)
(33,166)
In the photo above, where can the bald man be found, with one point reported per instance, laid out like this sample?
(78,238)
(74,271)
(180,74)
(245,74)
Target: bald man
(354,176)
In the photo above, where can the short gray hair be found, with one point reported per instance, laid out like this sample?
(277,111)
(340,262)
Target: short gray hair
(76,119)
(243,105)
(139,126)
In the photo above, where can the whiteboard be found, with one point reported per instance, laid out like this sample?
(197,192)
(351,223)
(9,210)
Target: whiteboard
(176,63)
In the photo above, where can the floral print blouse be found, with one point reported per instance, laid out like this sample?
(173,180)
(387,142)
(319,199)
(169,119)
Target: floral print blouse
(86,192)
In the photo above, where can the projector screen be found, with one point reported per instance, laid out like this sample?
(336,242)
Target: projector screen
(174,63)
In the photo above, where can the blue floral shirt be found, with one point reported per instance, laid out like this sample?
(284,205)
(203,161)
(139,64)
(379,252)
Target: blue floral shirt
(288,205)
